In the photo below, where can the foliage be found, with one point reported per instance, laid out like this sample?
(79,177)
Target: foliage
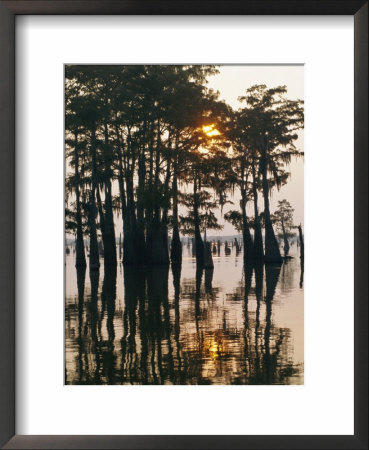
(283,216)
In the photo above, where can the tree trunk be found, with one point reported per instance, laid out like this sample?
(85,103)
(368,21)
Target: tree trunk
(199,245)
(157,242)
(248,245)
(208,257)
(80,248)
(285,240)
(110,254)
(176,247)
(258,251)
(140,224)
(164,219)
(158,247)
(133,239)
(94,250)
(155,239)
(101,215)
(209,280)
(302,249)
(272,252)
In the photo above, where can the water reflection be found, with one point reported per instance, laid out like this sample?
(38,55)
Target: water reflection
(234,324)
(95,326)
(81,275)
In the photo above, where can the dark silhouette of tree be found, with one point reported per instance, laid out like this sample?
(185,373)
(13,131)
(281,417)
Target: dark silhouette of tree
(75,146)
(283,218)
(241,173)
(270,122)
(92,95)
(95,324)
(81,275)
(302,255)
(154,129)
(139,122)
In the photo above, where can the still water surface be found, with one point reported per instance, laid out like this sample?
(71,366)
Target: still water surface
(185,326)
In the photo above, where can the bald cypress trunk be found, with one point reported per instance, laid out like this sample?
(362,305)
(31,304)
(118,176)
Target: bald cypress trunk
(258,251)
(80,248)
(140,224)
(130,254)
(208,257)
(176,247)
(101,215)
(110,254)
(94,250)
(302,249)
(157,241)
(272,252)
(164,220)
(285,240)
(248,246)
(199,244)
(133,240)
(302,255)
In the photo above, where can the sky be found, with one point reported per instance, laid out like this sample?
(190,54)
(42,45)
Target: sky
(232,82)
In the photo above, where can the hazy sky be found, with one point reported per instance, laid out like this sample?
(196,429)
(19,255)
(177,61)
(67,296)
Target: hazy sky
(232,82)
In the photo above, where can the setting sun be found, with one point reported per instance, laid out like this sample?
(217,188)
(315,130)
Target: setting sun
(210,130)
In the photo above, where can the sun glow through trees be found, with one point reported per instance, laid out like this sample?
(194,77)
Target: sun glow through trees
(210,130)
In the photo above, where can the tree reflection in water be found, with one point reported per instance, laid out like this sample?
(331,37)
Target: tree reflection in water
(166,327)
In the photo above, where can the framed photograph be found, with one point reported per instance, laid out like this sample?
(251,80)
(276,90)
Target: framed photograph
(184,221)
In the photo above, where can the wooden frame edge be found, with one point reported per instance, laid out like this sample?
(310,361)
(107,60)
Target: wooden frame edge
(8,11)
(7,225)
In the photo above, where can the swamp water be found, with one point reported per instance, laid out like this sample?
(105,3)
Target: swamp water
(181,325)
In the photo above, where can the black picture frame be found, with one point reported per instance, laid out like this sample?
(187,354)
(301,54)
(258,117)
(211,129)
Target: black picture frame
(8,11)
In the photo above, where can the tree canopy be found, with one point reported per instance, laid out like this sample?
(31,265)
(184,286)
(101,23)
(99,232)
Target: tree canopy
(167,143)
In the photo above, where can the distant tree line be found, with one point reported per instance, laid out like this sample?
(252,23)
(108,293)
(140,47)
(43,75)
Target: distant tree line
(166,140)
